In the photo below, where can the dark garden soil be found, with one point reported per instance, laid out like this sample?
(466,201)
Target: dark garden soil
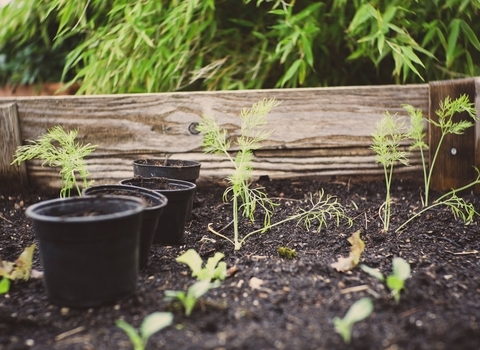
(294,306)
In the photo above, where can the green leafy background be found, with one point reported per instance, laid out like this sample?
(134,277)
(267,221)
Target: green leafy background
(120,46)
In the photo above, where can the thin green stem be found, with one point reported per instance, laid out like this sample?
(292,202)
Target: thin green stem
(219,234)
(417,215)
(425,178)
(237,244)
(432,164)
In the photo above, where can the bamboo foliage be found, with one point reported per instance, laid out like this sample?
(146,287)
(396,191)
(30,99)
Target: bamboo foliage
(154,46)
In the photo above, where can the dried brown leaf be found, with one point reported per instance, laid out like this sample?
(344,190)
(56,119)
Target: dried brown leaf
(348,263)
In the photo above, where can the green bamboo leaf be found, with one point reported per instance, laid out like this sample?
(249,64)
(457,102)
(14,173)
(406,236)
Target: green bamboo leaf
(452,41)
(470,34)
(380,43)
(362,15)
(307,49)
(396,29)
(291,72)
(302,72)
(408,51)
(389,14)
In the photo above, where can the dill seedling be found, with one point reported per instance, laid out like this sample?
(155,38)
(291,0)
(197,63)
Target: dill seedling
(246,199)
(57,147)
(447,109)
(387,139)
(243,197)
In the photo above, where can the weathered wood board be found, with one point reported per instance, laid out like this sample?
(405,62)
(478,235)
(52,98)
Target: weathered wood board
(15,175)
(317,131)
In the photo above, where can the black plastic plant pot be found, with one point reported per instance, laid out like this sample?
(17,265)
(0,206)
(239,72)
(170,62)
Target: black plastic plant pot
(171,225)
(88,247)
(178,169)
(156,203)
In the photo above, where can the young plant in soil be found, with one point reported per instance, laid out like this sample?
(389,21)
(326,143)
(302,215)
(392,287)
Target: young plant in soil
(152,324)
(387,138)
(189,299)
(214,268)
(359,311)
(447,109)
(396,281)
(246,199)
(58,148)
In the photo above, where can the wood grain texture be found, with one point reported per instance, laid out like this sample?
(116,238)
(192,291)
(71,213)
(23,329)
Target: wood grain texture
(317,131)
(10,139)
(453,167)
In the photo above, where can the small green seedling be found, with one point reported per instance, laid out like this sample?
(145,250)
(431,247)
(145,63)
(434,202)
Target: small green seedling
(20,269)
(245,199)
(396,281)
(359,311)
(214,268)
(447,109)
(286,253)
(387,139)
(152,324)
(194,292)
(57,148)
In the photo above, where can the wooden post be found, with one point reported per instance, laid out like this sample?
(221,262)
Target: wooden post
(458,153)
(12,176)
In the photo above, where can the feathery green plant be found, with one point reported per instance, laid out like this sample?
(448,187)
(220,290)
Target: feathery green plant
(243,197)
(57,148)
(246,199)
(447,109)
(387,138)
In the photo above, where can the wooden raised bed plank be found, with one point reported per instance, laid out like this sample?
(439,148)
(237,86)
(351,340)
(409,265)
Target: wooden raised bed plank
(317,131)
(14,175)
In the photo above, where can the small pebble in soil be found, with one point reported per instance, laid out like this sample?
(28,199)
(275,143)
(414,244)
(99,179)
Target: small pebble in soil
(29,342)
(64,310)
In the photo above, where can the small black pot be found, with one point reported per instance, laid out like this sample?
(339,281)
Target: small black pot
(88,247)
(156,203)
(178,169)
(171,225)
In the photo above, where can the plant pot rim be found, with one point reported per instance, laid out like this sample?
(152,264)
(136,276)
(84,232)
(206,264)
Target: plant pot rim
(35,210)
(185,163)
(185,185)
(158,200)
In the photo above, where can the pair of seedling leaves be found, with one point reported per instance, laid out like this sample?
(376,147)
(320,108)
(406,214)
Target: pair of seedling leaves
(214,270)
(362,308)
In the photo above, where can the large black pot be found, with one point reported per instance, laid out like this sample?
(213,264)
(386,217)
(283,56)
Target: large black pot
(156,203)
(171,225)
(88,247)
(178,169)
